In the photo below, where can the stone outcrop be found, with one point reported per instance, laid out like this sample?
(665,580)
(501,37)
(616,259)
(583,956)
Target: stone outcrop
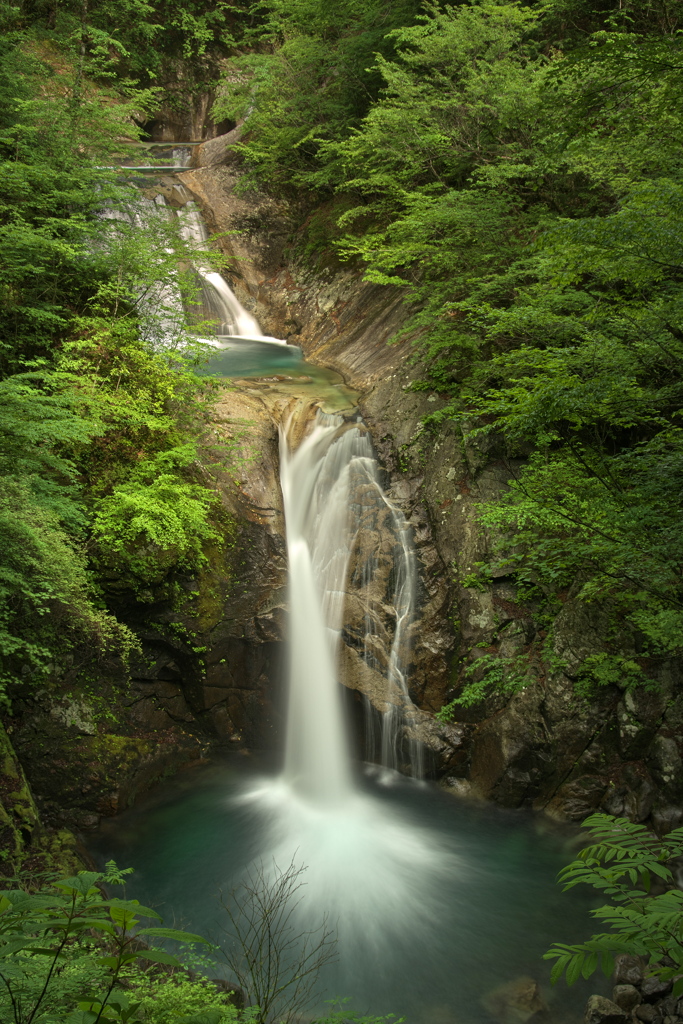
(638,997)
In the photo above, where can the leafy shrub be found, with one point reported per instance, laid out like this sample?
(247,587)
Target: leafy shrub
(622,863)
(145,528)
(66,949)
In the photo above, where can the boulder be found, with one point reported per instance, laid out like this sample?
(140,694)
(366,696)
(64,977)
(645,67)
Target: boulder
(626,996)
(628,970)
(600,1010)
(516,1001)
(654,989)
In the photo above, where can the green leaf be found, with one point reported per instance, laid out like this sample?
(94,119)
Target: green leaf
(157,956)
(80,1017)
(204,1017)
(558,968)
(589,965)
(574,968)
(123,917)
(173,933)
(607,964)
(136,908)
(83,883)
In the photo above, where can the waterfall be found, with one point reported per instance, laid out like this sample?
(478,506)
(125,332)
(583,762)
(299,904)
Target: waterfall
(163,302)
(375,874)
(334,504)
(387,583)
(315,488)
(181,156)
(234,321)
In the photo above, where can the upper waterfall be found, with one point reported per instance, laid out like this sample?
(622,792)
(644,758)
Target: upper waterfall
(234,321)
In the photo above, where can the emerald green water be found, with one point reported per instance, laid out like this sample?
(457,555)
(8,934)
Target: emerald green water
(477,912)
(243,357)
(284,365)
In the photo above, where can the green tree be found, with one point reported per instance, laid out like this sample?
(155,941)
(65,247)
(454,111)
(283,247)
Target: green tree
(304,79)
(526,198)
(98,395)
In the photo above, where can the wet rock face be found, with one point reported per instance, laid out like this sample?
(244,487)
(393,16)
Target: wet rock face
(188,118)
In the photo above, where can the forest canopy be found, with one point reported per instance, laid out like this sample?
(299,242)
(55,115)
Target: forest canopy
(93,404)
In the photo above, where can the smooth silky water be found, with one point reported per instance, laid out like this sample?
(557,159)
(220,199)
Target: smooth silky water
(435,902)
(438,900)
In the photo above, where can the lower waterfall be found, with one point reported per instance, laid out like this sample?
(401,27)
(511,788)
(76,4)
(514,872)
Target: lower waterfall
(317,761)
(332,494)
(368,870)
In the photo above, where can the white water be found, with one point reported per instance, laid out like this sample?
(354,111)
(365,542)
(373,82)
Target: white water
(332,497)
(315,488)
(369,495)
(234,321)
(160,307)
(163,302)
(375,874)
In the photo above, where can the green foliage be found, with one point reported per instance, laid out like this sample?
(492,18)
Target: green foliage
(101,415)
(345,1016)
(46,592)
(622,863)
(69,954)
(508,675)
(178,1000)
(605,669)
(66,949)
(309,73)
(516,171)
(154,522)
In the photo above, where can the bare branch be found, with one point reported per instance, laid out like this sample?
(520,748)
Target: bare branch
(274,958)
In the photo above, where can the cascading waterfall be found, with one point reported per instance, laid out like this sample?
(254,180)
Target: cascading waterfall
(164,303)
(373,873)
(234,321)
(432,911)
(315,487)
(333,503)
(389,524)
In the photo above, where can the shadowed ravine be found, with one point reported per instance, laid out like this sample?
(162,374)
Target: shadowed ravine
(435,903)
